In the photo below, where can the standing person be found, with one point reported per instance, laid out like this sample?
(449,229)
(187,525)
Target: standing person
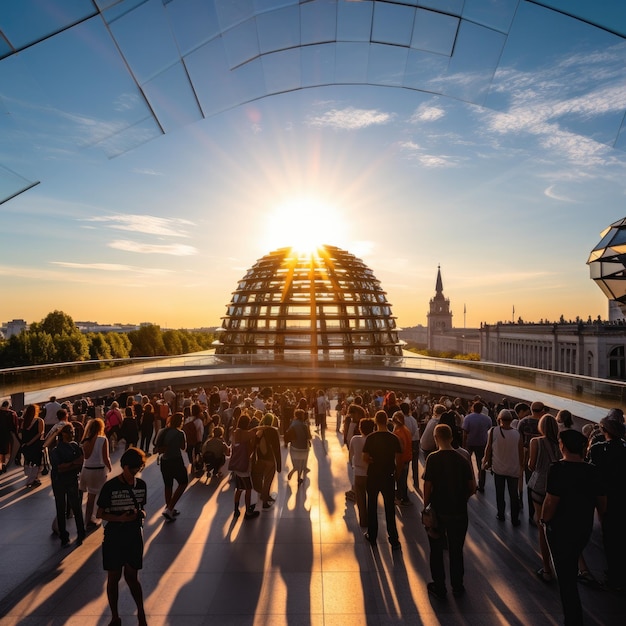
(32,444)
(8,429)
(411,423)
(382,453)
(170,442)
(610,458)
(121,505)
(404,435)
(113,422)
(147,427)
(243,440)
(96,466)
(476,427)
(504,455)
(50,411)
(66,459)
(574,490)
(528,428)
(359,467)
(448,484)
(298,435)
(268,457)
(427,442)
(543,452)
(129,430)
(322,409)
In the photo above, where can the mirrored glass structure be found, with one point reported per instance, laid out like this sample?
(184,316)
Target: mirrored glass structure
(325,304)
(607,263)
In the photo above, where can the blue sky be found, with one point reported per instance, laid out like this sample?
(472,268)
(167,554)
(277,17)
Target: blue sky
(506,180)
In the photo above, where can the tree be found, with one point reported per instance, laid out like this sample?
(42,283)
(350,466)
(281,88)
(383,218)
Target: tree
(99,348)
(58,323)
(120,345)
(147,341)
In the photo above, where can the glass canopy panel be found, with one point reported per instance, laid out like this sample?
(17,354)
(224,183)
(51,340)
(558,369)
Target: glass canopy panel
(282,70)
(279,29)
(605,240)
(620,142)
(424,70)
(392,24)
(609,14)
(5,48)
(387,65)
(260,6)
(145,39)
(113,9)
(108,101)
(473,63)
(318,64)
(25,22)
(129,138)
(172,98)
(212,78)
(249,81)
(318,22)
(351,62)
(354,20)
(453,7)
(497,14)
(12,184)
(193,22)
(434,32)
(241,43)
(233,12)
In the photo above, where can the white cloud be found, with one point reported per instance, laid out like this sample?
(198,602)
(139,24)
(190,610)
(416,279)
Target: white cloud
(416,153)
(148,224)
(426,113)
(111,267)
(550,193)
(351,118)
(147,171)
(146,248)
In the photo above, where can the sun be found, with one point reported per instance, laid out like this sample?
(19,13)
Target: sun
(304,224)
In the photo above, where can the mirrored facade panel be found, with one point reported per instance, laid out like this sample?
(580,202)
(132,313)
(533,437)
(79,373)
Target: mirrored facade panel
(434,32)
(241,43)
(392,24)
(354,20)
(497,14)
(318,22)
(193,22)
(279,30)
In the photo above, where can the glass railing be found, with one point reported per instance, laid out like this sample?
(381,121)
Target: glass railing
(593,391)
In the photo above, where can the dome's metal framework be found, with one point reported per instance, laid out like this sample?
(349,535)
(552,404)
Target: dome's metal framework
(327,304)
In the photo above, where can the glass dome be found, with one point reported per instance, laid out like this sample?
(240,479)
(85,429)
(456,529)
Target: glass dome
(327,304)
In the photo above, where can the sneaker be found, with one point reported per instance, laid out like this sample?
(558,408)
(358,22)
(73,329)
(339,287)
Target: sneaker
(268,505)
(438,592)
(251,514)
(500,518)
(175,512)
(168,516)
(236,514)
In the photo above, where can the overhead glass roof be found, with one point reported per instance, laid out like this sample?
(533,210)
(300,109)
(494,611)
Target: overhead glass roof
(142,68)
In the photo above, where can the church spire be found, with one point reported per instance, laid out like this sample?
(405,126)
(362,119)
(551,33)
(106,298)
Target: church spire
(439,283)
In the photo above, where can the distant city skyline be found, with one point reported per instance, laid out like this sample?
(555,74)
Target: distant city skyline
(508,198)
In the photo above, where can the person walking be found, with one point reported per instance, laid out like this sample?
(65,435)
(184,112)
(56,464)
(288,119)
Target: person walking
(504,456)
(448,484)
(404,435)
(121,505)
(476,426)
(96,466)
(170,443)
(66,459)
(268,458)
(32,445)
(242,446)
(382,453)
(298,436)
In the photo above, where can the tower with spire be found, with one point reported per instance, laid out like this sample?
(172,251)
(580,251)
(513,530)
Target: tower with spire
(439,315)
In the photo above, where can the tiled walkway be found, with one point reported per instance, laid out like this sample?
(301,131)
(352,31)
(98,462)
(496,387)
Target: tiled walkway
(303,562)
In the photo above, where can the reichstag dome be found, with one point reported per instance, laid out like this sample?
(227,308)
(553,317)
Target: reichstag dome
(326,304)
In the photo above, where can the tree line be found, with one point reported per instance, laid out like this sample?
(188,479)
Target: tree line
(57,339)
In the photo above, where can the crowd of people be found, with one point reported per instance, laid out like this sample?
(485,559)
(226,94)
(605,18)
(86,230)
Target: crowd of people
(446,446)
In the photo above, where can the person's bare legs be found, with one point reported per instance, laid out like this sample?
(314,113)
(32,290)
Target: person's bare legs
(543,544)
(91,500)
(113,580)
(171,503)
(130,575)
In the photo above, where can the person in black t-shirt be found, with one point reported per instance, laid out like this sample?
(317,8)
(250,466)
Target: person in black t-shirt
(573,490)
(448,484)
(382,453)
(121,505)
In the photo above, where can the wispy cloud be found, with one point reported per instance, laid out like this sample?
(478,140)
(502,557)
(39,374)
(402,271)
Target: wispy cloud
(551,193)
(427,113)
(148,224)
(111,267)
(415,152)
(351,118)
(146,248)
(147,172)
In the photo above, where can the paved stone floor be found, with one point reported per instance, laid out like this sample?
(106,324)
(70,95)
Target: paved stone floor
(302,563)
